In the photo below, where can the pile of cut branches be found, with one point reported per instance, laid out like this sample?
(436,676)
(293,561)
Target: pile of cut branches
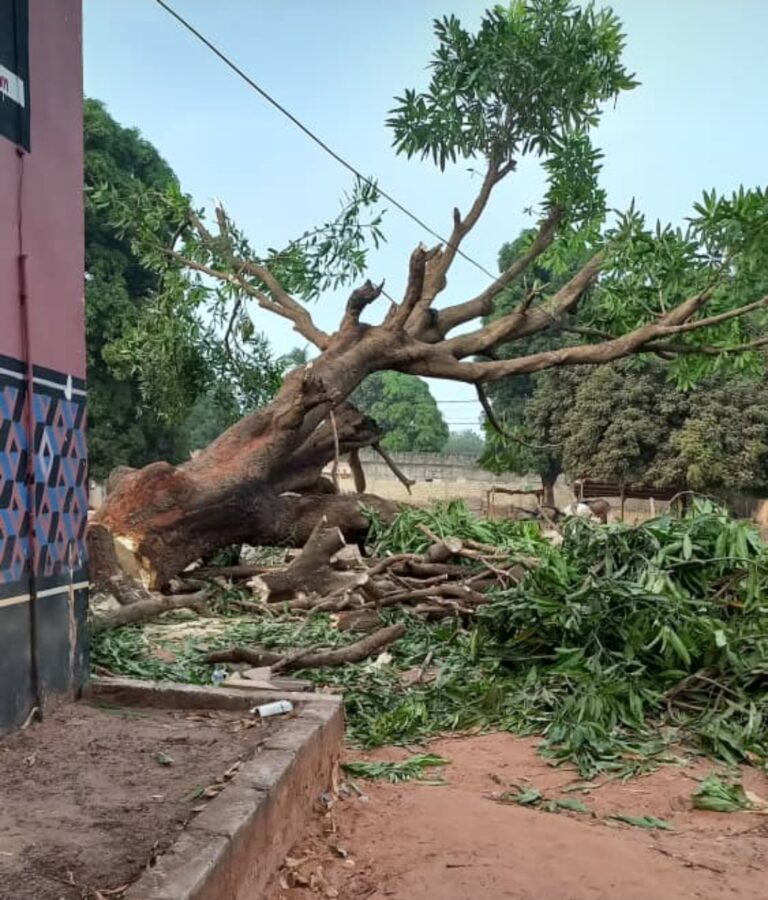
(437,563)
(622,646)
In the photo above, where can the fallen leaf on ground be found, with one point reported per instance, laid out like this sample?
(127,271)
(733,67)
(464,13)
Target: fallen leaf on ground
(649,822)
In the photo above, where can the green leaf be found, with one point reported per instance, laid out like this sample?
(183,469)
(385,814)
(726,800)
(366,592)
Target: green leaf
(571,804)
(649,822)
(395,771)
(715,795)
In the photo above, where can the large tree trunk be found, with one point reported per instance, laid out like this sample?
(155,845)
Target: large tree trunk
(548,482)
(260,482)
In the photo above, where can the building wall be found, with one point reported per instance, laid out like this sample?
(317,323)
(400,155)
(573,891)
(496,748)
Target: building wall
(43,501)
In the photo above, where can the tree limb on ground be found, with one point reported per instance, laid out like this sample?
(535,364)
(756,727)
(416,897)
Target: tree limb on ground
(352,653)
(148,609)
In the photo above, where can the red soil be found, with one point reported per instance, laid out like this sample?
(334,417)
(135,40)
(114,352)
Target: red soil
(453,842)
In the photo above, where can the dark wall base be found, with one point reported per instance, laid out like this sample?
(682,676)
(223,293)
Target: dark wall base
(62,654)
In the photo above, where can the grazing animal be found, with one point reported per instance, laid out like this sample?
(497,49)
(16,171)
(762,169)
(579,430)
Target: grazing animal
(594,510)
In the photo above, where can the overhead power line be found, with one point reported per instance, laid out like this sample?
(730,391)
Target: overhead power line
(313,137)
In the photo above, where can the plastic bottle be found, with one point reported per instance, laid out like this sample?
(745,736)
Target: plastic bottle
(278,708)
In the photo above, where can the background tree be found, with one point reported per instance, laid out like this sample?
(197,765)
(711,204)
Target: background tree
(531,438)
(404,409)
(137,413)
(628,422)
(122,430)
(722,446)
(620,423)
(465,443)
(531,81)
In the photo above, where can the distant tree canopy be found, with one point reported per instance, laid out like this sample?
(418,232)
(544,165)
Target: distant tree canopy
(466,443)
(121,430)
(200,385)
(405,409)
(628,422)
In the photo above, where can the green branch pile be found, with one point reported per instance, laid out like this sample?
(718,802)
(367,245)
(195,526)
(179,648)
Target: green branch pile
(623,647)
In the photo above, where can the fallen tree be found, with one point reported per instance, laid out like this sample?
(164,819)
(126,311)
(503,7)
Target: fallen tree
(624,647)
(531,81)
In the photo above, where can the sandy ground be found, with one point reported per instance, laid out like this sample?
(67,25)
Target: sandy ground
(454,842)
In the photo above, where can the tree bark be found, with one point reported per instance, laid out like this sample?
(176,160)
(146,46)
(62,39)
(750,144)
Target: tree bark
(352,653)
(146,609)
(158,520)
(548,482)
(311,571)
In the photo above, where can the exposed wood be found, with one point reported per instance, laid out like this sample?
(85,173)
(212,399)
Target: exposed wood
(311,570)
(148,609)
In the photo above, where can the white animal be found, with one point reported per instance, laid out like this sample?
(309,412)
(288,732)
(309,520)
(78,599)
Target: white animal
(581,510)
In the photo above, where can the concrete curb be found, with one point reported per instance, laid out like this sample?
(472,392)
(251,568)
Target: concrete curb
(231,849)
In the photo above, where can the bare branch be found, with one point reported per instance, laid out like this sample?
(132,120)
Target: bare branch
(236,307)
(396,471)
(302,321)
(442,364)
(436,270)
(335,467)
(677,324)
(499,428)
(361,297)
(291,309)
(522,322)
(706,349)
(417,267)
(482,304)
(462,226)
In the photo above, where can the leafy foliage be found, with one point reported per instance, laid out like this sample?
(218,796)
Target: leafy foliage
(621,645)
(405,409)
(414,767)
(452,519)
(620,625)
(121,430)
(464,443)
(530,81)
(716,795)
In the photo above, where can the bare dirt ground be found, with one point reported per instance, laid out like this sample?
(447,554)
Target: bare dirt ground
(89,796)
(453,842)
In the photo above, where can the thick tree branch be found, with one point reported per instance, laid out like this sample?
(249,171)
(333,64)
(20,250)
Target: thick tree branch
(443,364)
(440,261)
(462,226)
(482,304)
(522,322)
(417,267)
(359,299)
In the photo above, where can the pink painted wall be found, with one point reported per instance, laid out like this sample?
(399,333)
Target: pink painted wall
(51,182)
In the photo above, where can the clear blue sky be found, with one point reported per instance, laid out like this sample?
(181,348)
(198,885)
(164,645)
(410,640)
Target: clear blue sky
(697,121)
